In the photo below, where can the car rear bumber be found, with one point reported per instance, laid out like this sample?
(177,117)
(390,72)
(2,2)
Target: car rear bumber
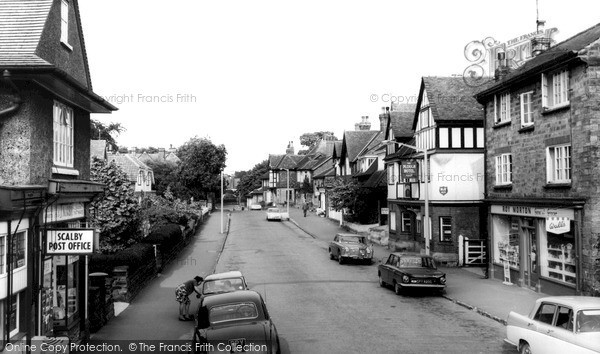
(254,334)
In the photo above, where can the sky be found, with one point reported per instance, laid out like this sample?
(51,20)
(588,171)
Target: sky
(254,75)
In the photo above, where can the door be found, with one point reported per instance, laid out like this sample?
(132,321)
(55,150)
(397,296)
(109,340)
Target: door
(529,260)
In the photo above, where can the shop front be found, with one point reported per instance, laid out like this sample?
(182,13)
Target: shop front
(536,247)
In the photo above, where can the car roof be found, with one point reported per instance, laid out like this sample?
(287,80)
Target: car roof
(411,254)
(346,235)
(579,302)
(224,275)
(231,297)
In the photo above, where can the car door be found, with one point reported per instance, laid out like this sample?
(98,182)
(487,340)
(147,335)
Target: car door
(550,336)
(334,245)
(563,334)
(391,265)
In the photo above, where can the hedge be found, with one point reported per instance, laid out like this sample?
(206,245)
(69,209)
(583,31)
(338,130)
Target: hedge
(167,236)
(136,256)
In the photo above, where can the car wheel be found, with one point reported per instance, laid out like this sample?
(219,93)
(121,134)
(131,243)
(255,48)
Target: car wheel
(331,255)
(525,348)
(340,259)
(381,282)
(397,289)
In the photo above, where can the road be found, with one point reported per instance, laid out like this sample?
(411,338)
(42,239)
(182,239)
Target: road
(320,306)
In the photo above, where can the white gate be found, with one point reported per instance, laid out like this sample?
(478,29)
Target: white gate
(475,253)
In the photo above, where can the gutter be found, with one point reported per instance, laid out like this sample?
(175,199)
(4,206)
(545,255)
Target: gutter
(16,101)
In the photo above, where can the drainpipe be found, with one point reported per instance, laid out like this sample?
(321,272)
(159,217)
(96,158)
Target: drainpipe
(16,101)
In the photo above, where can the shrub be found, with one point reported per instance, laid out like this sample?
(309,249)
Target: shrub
(135,256)
(167,236)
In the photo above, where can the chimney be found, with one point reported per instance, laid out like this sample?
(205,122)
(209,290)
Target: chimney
(133,150)
(384,116)
(539,43)
(161,152)
(503,68)
(364,124)
(290,148)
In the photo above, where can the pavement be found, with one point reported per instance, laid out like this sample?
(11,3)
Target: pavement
(466,286)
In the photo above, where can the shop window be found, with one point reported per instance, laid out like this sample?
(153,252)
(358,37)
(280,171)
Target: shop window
(66,291)
(557,256)
(14,316)
(505,231)
(445,229)
(18,250)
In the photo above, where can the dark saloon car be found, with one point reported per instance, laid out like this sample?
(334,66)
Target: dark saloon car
(234,322)
(411,270)
(350,246)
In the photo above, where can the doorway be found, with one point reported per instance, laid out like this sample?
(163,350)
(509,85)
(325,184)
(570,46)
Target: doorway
(529,258)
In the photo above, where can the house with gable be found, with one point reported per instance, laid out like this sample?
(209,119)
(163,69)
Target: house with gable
(46,99)
(282,168)
(448,124)
(141,176)
(163,155)
(319,155)
(542,167)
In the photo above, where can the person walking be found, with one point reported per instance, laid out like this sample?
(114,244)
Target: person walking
(305,208)
(182,295)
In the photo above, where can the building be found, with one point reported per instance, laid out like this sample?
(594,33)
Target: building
(448,124)
(141,176)
(281,169)
(542,185)
(163,155)
(46,99)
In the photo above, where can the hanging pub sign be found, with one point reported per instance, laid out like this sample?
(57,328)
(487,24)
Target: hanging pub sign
(69,241)
(409,169)
(558,225)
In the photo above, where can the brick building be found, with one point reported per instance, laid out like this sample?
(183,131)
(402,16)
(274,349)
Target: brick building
(542,136)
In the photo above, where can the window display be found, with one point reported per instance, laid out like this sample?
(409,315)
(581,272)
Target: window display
(65,299)
(558,256)
(506,240)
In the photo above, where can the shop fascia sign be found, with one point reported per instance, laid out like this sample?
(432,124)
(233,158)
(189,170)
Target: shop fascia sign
(558,225)
(557,220)
(69,241)
(63,212)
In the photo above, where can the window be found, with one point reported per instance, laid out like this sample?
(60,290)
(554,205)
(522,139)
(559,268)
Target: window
(456,137)
(480,138)
(66,309)
(444,141)
(526,109)
(545,313)
(63,135)
(392,219)
(140,178)
(406,222)
(391,173)
(149,178)
(2,254)
(64,22)
(555,89)
(558,160)
(468,137)
(564,318)
(504,169)
(445,229)
(502,108)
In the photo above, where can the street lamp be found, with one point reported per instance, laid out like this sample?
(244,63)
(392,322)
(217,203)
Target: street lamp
(426,231)
(287,192)
(221,201)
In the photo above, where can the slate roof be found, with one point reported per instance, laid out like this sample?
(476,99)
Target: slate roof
(21,27)
(280,162)
(401,123)
(324,172)
(130,164)
(159,156)
(565,50)
(373,146)
(450,99)
(377,179)
(355,141)
(372,169)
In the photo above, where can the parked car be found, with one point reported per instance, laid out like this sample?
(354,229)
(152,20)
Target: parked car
(255,207)
(223,282)
(558,324)
(234,322)
(411,270)
(350,246)
(274,214)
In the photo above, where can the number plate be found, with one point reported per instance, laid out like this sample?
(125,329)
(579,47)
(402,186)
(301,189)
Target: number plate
(427,281)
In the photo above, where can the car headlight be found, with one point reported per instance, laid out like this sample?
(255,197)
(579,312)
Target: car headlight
(368,250)
(405,279)
(443,280)
(346,249)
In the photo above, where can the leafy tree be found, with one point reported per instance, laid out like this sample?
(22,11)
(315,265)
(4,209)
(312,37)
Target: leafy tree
(100,131)
(165,176)
(200,167)
(343,194)
(117,211)
(307,187)
(251,179)
(310,140)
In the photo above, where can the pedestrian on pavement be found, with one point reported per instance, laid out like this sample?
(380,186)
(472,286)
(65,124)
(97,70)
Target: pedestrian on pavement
(182,295)
(305,208)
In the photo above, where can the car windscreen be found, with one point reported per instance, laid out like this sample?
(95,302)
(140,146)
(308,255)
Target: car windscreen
(350,239)
(588,320)
(416,262)
(232,312)
(222,285)
(273,210)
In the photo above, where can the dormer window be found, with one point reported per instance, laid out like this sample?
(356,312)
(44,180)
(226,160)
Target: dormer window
(64,23)
(63,135)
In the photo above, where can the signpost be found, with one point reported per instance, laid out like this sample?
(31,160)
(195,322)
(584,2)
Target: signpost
(69,241)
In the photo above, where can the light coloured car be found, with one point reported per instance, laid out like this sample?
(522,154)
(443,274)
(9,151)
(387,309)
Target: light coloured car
(558,324)
(255,207)
(223,283)
(350,246)
(275,214)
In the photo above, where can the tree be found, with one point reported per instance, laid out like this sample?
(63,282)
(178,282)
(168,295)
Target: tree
(251,179)
(200,166)
(165,176)
(307,187)
(310,140)
(116,212)
(100,131)
(343,194)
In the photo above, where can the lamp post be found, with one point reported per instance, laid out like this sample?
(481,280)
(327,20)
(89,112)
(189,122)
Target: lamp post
(221,201)
(287,192)
(426,231)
